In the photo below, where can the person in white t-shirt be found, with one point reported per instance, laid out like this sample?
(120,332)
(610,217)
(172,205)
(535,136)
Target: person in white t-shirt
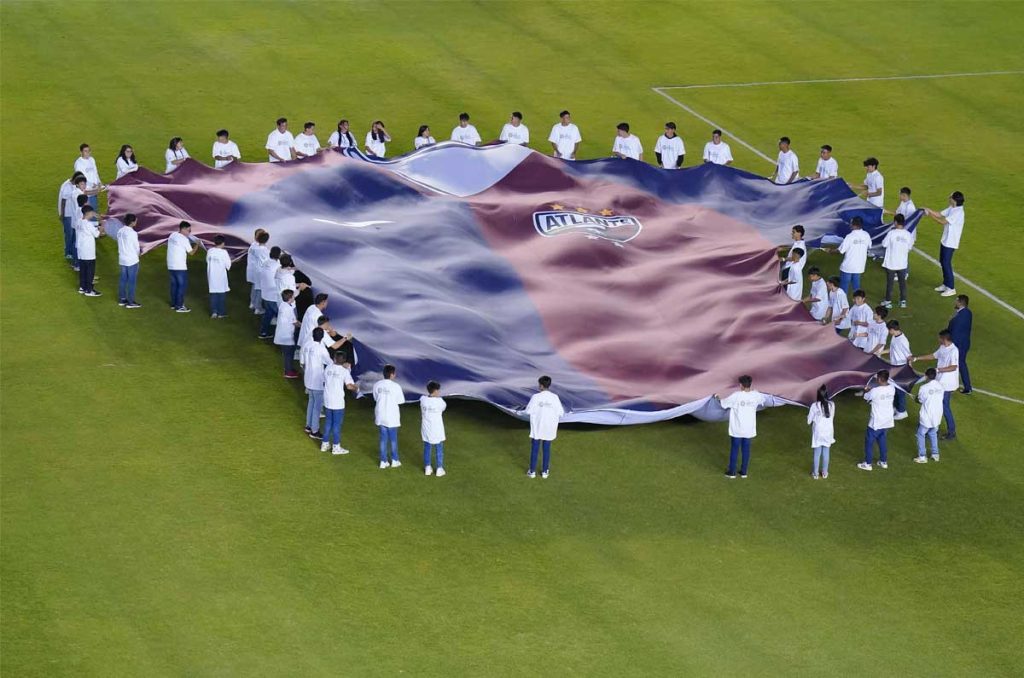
(881,395)
(787,166)
(899,355)
(565,137)
(906,206)
(860,318)
(315,359)
(270,297)
(947,357)
(337,380)
(854,249)
(795,275)
(716,151)
(897,243)
(818,296)
(128,252)
(342,137)
(86,164)
(225,151)
(669,149)
(874,184)
(258,253)
(175,154)
(126,163)
(432,406)
(179,247)
(838,306)
(311,318)
(465,133)
(952,220)
(377,139)
(67,206)
(827,167)
(627,145)
(306,144)
(821,418)
(284,332)
(930,395)
(797,233)
(742,406)
(878,332)
(545,411)
(388,395)
(423,138)
(218,263)
(280,143)
(88,228)
(515,132)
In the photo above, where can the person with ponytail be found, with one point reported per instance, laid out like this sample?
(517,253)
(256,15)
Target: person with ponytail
(821,419)
(376,140)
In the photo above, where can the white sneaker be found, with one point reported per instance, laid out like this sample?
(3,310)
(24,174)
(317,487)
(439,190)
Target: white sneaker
(921,460)
(325,446)
(935,457)
(441,472)
(396,464)
(544,474)
(384,464)
(814,475)
(883,464)
(864,466)
(428,471)
(941,288)
(824,474)
(951,292)
(531,474)
(338,449)
(900,415)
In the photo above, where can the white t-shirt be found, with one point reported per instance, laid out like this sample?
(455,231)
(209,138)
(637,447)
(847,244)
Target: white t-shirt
(178,248)
(341,140)
(285,279)
(307,144)
(827,169)
(284,332)
(315,361)
(257,255)
(227,148)
(377,147)
(71,208)
(855,247)
(859,313)
(819,291)
(876,182)
(822,427)
(802,245)
(87,166)
(515,134)
(432,424)
(947,356)
(786,164)
(65,195)
(545,410)
(310,320)
(466,135)
(86,233)
(671,150)
(877,332)
(218,263)
(170,156)
(742,406)
(268,280)
(838,302)
(125,167)
(899,350)
(717,154)
(906,208)
(897,243)
(388,396)
(336,378)
(795,290)
(281,143)
(127,246)
(881,399)
(628,146)
(565,138)
(952,231)
(930,395)
(420,142)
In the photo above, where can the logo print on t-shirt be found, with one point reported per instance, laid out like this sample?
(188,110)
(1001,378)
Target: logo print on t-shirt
(605,225)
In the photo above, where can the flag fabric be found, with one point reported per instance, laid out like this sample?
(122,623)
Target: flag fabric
(640,291)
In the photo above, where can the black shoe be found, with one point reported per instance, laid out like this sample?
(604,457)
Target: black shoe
(948,436)
(730,475)
(315,435)
(968,391)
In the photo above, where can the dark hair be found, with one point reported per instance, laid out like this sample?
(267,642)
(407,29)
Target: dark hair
(376,136)
(563,114)
(174,142)
(799,229)
(716,131)
(341,122)
(388,371)
(433,386)
(882,311)
(834,279)
(515,114)
(79,179)
(275,252)
(624,126)
(826,405)
(931,373)
(183,225)
(964,299)
(893,324)
(746,380)
(899,219)
(464,116)
(121,154)
(860,293)
(263,237)
(82,199)
(130,219)
(339,358)
(323,320)
(286,295)
(86,209)
(814,270)
(75,176)
(281,120)
(318,334)
(309,125)
(286,261)
(799,251)
(320,298)
(905,189)
(871,161)
(218,240)
(670,125)
(946,334)
(222,133)
(826,147)
(545,381)
(423,128)
(783,140)
(82,147)
(856,221)
(883,375)
(958,198)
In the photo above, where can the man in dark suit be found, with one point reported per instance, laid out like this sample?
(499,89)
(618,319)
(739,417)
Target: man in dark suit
(960,328)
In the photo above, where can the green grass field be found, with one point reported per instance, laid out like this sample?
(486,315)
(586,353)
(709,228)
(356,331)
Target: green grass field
(162,515)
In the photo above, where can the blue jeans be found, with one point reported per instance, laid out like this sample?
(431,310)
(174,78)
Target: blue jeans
(288,354)
(900,403)
(94,200)
(736,445)
(179,283)
(946,261)
(535,446)
(126,283)
(255,297)
(269,313)
(871,436)
(332,426)
(313,408)
(846,279)
(218,303)
(821,454)
(69,238)
(965,374)
(440,454)
(933,435)
(947,413)
(388,434)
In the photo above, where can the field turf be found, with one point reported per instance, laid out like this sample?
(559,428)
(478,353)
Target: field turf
(162,514)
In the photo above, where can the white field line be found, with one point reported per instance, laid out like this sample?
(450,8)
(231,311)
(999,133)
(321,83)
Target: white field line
(999,395)
(821,80)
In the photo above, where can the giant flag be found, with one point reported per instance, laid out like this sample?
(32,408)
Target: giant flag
(641,291)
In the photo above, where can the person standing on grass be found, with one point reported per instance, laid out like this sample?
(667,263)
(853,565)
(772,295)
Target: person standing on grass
(877,332)
(86,165)
(795,275)
(906,206)
(930,395)
(89,227)
(952,220)
(515,132)
(284,333)
(175,154)
(742,406)
(860,318)
(466,133)
(899,355)
(797,233)
(179,247)
(280,143)
(669,149)
(854,249)
(545,411)
(947,357)
(838,306)
(66,207)
(565,137)
(388,395)
(218,263)
(821,419)
(315,360)
(306,143)
(881,396)
(423,138)
(126,163)
(258,253)
(897,243)
(311,318)
(128,252)
(827,167)
(960,326)
(716,151)
(432,406)
(342,137)
(225,151)
(627,145)
(377,139)
(269,295)
(874,184)
(818,298)
(787,166)
(337,380)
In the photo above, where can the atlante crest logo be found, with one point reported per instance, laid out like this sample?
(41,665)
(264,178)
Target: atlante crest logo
(603,225)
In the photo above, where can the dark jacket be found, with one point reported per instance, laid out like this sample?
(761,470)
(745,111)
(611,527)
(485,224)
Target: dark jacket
(960,328)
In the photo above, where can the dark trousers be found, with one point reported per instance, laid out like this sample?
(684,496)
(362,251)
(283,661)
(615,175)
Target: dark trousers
(86,272)
(946,261)
(736,446)
(947,413)
(871,436)
(965,375)
(218,303)
(179,283)
(535,446)
(901,277)
(900,403)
